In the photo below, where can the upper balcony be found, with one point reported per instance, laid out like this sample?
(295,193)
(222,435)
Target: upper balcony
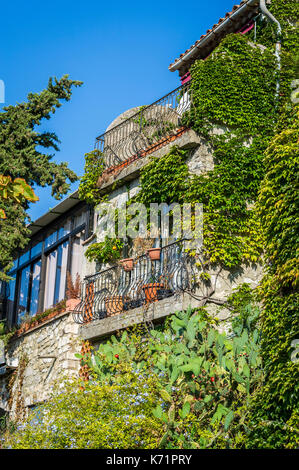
(136,283)
(145,130)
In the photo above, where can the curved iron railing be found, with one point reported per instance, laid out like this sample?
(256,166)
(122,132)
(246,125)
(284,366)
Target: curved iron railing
(115,290)
(150,125)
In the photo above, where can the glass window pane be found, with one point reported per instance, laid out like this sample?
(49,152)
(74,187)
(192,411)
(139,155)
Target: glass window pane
(36,249)
(23,293)
(65,229)
(35,288)
(80,219)
(59,293)
(51,238)
(15,264)
(24,257)
(77,255)
(50,279)
(10,297)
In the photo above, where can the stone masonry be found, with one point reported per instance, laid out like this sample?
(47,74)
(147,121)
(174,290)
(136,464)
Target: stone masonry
(49,350)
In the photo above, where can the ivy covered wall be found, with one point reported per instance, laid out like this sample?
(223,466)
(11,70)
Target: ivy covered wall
(249,199)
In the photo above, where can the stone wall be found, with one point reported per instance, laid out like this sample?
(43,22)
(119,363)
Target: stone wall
(40,357)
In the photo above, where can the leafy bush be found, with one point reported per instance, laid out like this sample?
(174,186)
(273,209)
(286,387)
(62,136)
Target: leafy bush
(276,411)
(98,415)
(188,386)
(104,252)
(205,378)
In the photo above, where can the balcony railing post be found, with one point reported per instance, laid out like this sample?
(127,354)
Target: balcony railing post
(147,127)
(115,290)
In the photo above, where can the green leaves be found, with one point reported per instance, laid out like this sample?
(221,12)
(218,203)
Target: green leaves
(165,395)
(108,250)
(228,419)
(185,410)
(93,170)
(16,190)
(23,144)
(158,412)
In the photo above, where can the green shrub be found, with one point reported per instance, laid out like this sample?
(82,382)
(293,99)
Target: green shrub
(205,378)
(104,252)
(96,415)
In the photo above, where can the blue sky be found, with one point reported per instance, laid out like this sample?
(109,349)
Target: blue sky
(120,50)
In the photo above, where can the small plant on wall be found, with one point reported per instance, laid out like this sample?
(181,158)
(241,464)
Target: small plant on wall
(105,252)
(73,288)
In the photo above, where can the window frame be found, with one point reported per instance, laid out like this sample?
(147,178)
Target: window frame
(41,237)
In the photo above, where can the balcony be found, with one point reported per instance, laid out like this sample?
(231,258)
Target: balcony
(122,288)
(145,130)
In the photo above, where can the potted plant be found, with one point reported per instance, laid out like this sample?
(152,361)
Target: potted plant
(73,291)
(114,305)
(154,253)
(106,251)
(151,291)
(127,264)
(141,245)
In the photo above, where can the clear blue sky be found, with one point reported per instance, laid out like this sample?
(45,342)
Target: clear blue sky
(120,50)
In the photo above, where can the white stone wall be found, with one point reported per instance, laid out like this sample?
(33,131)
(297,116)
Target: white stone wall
(50,349)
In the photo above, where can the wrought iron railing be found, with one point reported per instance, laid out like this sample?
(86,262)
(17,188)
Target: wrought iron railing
(116,290)
(146,128)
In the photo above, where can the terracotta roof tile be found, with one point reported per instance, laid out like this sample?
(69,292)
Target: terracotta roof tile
(227,15)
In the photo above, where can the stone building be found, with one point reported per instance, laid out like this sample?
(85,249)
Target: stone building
(112,297)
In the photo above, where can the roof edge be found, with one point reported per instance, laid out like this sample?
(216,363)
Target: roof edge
(189,54)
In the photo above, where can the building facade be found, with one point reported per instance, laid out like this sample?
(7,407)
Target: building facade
(112,296)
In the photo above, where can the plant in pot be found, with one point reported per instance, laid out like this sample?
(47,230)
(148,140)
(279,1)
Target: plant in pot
(25,323)
(73,291)
(151,288)
(127,264)
(154,253)
(107,251)
(145,245)
(165,290)
(141,245)
(115,304)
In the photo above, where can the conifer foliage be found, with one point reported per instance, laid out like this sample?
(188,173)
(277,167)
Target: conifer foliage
(21,156)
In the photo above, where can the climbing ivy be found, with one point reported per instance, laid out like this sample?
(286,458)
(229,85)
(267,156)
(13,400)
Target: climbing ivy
(233,96)
(278,204)
(93,169)
(287,12)
(276,412)
(234,87)
(164,179)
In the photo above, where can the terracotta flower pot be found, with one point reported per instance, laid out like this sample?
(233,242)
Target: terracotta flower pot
(150,291)
(127,264)
(114,305)
(71,304)
(154,253)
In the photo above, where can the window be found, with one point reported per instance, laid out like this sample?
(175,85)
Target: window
(24,257)
(77,254)
(10,288)
(29,285)
(35,285)
(39,273)
(56,275)
(36,250)
(23,293)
